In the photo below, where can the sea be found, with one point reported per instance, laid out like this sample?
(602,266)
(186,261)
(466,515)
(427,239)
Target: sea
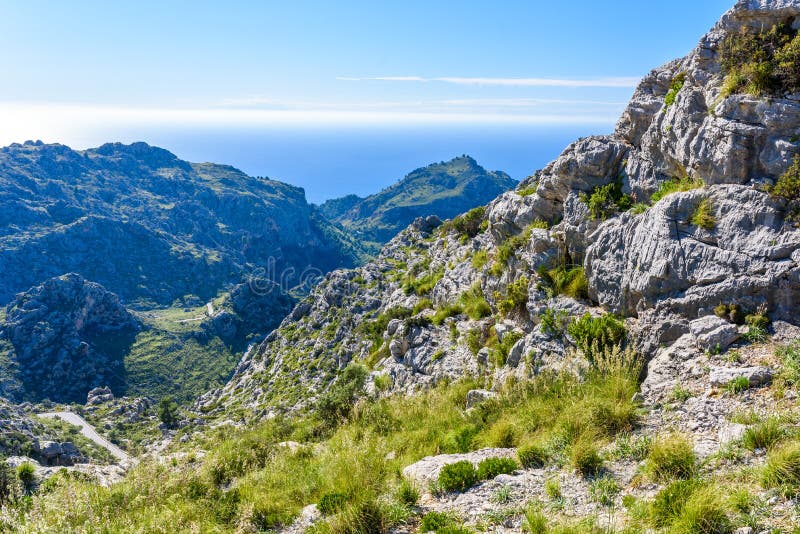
(330,162)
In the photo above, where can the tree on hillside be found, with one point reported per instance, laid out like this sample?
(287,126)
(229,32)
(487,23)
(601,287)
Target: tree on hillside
(168,412)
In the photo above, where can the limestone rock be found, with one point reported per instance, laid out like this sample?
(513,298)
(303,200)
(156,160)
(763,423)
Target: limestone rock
(757,375)
(478,396)
(712,333)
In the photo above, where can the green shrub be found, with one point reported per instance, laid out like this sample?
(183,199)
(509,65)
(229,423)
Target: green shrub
(596,334)
(469,224)
(374,330)
(532,456)
(540,224)
(669,502)
(585,457)
(552,322)
(491,467)
(407,493)
(563,280)
(756,334)
(168,412)
(423,284)
(758,320)
(552,488)
(790,358)
(738,384)
(501,350)
(606,200)
(730,312)
(26,473)
(442,314)
(459,476)
(761,62)
(516,297)
(330,503)
(676,185)
(422,305)
(604,490)
(680,393)
(674,87)
(337,402)
(382,382)
(703,216)
(763,435)
(436,521)
(671,457)
(479,260)
(703,513)
(529,190)
(633,447)
(534,521)
(7,484)
(788,187)
(510,246)
(474,304)
(783,468)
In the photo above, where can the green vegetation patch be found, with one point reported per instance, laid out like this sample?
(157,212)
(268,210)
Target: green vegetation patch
(606,200)
(761,63)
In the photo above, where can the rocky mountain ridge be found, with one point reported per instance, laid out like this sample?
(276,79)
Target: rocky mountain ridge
(443,189)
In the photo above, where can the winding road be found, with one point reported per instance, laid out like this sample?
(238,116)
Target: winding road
(89,431)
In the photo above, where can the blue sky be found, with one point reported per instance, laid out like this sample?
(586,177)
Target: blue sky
(331,62)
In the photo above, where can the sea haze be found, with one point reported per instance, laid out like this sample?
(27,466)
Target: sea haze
(331,162)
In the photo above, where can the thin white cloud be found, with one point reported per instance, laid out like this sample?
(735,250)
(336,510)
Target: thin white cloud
(620,82)
(87,124)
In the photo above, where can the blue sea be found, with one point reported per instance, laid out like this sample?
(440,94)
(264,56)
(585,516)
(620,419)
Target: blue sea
(331,162)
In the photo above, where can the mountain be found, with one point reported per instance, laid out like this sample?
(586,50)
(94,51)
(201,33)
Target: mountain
(443,189)
(150,227)
(337,207)
(612,346)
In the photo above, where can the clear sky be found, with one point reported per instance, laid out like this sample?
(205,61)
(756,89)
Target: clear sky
(336,61)
(206,79)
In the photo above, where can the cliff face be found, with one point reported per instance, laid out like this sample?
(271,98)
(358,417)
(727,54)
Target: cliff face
(492,291)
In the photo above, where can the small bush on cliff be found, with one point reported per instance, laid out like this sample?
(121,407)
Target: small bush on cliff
(676,185)
(516,297)
(761,62)
(596,334)
(564,280)
(605,200)
(730,312)
(788,188)
(703,215)
(468,224)
(674,88)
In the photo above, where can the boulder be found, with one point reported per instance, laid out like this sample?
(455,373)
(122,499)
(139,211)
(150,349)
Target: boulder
(711,333)
(757,375)
(478,396)
(99,396)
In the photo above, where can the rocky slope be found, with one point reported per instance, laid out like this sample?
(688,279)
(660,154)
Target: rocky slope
(443,189)
(408,313)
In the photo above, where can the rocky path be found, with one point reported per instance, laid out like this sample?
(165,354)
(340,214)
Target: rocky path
(89,431)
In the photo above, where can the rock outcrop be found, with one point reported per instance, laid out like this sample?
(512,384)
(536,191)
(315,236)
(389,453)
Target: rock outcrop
(67,336)
(435,304)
